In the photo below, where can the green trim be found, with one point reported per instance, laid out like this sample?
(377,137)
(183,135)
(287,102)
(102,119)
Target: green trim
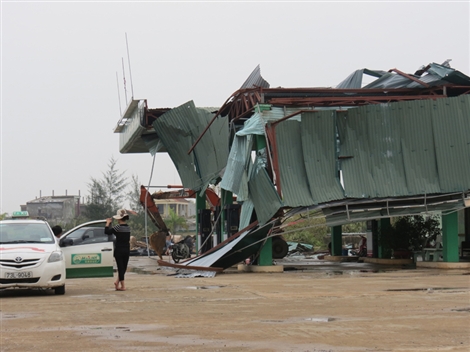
(384,229)
(226,198)
(450,237)
(106,271)
(336,240)
(266,253)
(200,204)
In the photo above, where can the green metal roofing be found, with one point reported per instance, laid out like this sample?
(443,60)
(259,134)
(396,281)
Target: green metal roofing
(307,159)
(263,194)
(179,128)
(406,148)
(238,164)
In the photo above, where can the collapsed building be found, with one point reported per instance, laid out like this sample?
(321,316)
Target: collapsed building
(399,145)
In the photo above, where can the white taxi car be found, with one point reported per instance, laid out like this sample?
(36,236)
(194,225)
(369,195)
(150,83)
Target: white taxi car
(30,256)
(88,251)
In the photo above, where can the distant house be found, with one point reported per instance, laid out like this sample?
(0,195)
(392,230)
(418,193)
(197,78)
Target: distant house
(182,207)
(58,208)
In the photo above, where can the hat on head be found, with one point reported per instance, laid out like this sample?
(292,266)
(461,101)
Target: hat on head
(120,214)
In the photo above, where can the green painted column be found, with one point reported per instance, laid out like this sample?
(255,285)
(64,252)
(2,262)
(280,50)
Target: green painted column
(266,252)
(384,226)
(450,237)
(226,198)
(466,215)
(200,204)
(336,240)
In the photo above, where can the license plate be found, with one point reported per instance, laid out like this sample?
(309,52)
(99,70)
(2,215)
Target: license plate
(19,275)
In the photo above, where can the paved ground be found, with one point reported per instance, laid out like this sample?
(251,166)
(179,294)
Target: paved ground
(321,307)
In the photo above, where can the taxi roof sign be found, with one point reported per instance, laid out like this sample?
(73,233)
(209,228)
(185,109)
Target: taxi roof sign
(20,214)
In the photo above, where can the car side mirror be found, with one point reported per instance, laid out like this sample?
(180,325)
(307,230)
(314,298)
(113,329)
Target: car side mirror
(65,242)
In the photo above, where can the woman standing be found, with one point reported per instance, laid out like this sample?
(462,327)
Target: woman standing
(122,232)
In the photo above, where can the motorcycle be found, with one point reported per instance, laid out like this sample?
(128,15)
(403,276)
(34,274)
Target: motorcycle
(182,249)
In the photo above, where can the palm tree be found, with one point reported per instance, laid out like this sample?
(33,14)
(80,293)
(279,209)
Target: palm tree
(174,221)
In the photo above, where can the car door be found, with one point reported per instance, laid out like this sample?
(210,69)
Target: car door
(88,251)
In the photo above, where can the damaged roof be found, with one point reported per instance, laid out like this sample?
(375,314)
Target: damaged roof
(402,137)
(429,82)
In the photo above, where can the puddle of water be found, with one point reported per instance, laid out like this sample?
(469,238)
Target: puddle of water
(462,310)
(427,289)
(320,320)
(203,287)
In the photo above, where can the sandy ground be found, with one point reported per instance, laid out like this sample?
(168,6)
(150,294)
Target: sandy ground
(319,307)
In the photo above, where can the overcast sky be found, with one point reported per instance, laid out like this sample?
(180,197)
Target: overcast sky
(59,60)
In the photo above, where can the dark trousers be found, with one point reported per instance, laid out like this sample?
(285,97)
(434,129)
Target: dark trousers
(122,259)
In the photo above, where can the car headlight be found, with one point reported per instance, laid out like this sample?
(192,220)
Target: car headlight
(55,257)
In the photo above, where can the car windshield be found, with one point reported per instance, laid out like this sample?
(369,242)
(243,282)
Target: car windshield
(25,233)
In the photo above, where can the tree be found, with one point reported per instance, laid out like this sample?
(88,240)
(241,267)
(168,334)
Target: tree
(133,196)
(107,195)
(174,221)
(3,216)
(115,184)
(411,232)
(310,228)
(137,222)
(408,233)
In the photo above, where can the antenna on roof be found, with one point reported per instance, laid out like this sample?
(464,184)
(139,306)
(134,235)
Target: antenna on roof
(119,95)
(124,76)
(130,73)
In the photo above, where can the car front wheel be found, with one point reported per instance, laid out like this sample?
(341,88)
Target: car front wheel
(60,290)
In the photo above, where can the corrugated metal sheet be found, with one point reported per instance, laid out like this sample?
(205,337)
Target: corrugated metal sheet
(238,248)
(436,75)
(293,176)
(263,194)
(307,165)
(406,148)
(318,133)
(237,164)
(449,74)
(371,211)
(354,80)
(246,213)
(179,128)
(255,80)
(419,157)
(389,80)
(373,141)
(451,125)
(212,150)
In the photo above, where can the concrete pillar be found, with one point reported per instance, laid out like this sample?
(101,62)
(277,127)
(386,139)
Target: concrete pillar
(450,237)
(336,240)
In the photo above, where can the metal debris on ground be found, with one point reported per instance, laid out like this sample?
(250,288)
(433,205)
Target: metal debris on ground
(193,273)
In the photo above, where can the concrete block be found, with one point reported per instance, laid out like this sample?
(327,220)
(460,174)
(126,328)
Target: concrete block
(261,269)
(443,265)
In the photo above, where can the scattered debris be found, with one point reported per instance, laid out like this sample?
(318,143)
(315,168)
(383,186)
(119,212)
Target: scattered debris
(139,248)
(183,273)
